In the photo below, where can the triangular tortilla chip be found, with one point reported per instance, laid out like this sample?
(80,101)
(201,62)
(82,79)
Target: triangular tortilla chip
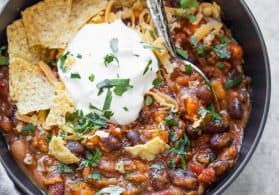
(47,23)
(18,44)
(83,11)
(31,90)
(61,105)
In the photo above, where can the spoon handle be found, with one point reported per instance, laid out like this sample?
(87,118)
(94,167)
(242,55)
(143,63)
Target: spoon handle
(158,15)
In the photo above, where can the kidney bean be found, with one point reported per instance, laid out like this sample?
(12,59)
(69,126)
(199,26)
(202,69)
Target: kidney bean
(219,141)
(6,109)
(111,144)
(18,149)
(4,88)
(56,189)
(221,166)
(205,94)
(75,147)
(184,179)
(215,126)
(5,124)
(133,136)
(235,109)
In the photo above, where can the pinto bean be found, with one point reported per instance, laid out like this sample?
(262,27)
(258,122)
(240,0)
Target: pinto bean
(235,109)
(205,94)
(184,179)
(56,189)
(133,136)
(75,147)
(18,149)
(219,141)
(5,124)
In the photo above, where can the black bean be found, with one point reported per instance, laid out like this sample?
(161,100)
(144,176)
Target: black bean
(56,189)
(133,136)
(215,126)
(75,147)
(235,109)
(111,144)
(219,141)
(205,94)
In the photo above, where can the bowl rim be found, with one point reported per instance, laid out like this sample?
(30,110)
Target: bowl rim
(264,117)
(234,175)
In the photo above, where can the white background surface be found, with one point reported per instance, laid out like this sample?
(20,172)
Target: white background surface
(261,176)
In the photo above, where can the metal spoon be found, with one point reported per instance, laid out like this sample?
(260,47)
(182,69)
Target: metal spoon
(158,14)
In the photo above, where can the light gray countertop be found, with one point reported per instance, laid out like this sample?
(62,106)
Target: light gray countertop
(261,175)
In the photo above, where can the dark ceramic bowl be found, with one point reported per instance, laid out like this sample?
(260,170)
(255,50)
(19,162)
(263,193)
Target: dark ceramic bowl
(239,18)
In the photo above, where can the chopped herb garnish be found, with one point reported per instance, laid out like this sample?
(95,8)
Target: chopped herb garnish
(75,76)
(171,164)
(120,86)
(125,109)
(221,65)
(48,138)
(224,40)
(148,100)
(4,60)
(222,51)
(172,136)
(64,169)
(157,82)
(148,46)
(108,100)
(210,111)
(194,41)
(136,55)
(170,120)
(83,124)
(108,114)
(156,169)
(192,18)
(3,48)
(185,4)
(231,83)
(114,45)
(183,53)
(188,69)
(147,67)
(111,190)
(91,77)
(200,50)
(95,176)
(51,63)
(79,56)
(92,159)
(30,128)
(109,58)
(62,61)
(180,149)
(152,34)
(63,134)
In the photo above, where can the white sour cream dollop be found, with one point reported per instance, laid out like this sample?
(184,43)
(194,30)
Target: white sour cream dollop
(89,48)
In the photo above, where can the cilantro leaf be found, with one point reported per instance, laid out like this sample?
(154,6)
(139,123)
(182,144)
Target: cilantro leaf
(109,58)
(92,159)
(222,51)
(108,100)
(29,129)
(95,176)
(183,53)
(210,111)
(185,4)
(188,69)
(120,86)
(170,120)
(64,169)
(148,100)
(147,67)
(62,61)
(75,76)
(91,77)
(231,83)
(157,82)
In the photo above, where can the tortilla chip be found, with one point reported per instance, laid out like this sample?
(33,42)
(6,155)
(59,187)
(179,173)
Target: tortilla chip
(18,44)
(83,11)
(60,152)
(46,24)
(31,91)
(60,106)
